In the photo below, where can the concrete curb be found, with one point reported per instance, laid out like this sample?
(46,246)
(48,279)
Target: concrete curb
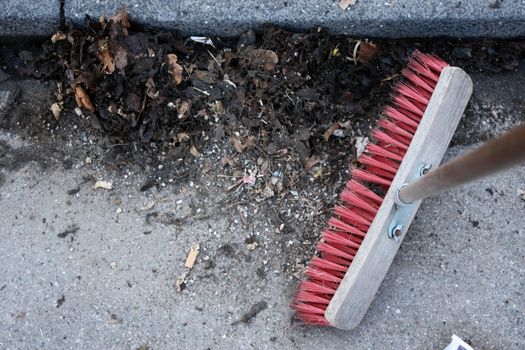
(367,18)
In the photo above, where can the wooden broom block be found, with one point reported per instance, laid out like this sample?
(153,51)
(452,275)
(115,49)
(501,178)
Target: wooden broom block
(370,265)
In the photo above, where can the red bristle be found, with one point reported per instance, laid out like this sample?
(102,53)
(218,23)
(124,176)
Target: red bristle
(310,286)
(369,177)
(383,136)
(416,80)
(356,187)
(400,117)
(342,226)
(352,199)
(339,238)
(311,298)
(358,203)
(322,275)
(308,308)
(380,151)
(330,249)
(327,265)
(407,90)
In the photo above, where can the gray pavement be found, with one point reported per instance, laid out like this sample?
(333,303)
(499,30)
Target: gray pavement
(78,273)
(29,18)
(370,18)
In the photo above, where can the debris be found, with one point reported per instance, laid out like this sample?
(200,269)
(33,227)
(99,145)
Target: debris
(58,36)
(182,109)
(88,160)
(113,265)
(176,69)
(331,130)
(242,146)
(251,246)
(521,193)
(68,231)
(105,57)
(108,185)
(192,256)
(119,210)
(365,52)
(194,152)
(360,145)
(260,58)
(113,319)
(202,40)
(56,109)
(121,18)
(249,180)
(311,162)
(61,301)
(117,201)
(344,4)
(180,283)
(82,99)
(268,192)
(147,206)
(254,310)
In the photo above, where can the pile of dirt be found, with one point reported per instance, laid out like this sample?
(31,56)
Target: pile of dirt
(285,109)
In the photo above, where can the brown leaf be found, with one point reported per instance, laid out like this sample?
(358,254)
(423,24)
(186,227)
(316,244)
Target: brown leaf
(242,146)
(194,152)
(58,36)
(56,109)
(182,137)
(105,57)
(176,69)
(121,18)
(266,59)
(344,4)
(82,99)
(365,52)
(331,130)
(182,109)
(311,162)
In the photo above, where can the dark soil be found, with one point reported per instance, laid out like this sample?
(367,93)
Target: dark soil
(265,101)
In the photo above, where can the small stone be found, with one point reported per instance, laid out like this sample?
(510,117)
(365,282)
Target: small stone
(88,160)
(119,210)
(252,246)
(113,265)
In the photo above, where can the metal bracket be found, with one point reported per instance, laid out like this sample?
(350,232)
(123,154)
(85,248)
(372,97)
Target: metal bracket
(404,210)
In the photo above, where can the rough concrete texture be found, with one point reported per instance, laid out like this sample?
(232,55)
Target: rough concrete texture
(370,18)
(29,18)
(85,268)
(76,274)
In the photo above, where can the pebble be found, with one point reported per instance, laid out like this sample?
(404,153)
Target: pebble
(119,210)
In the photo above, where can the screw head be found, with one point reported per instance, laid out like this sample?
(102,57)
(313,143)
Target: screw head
(396,232)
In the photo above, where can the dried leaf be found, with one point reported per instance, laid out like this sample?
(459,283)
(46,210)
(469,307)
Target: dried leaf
(58,36)
(365,52)
(344,4)
(331,130)
(194,152)
(311,162)
(176,69)
(108,185)
(56,108)
(182,137)
(82,99)
(105,57)
(192,256)
(182,109)
(121,18)
(266,59)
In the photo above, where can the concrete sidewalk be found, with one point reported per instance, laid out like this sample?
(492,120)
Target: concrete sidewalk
(367,18)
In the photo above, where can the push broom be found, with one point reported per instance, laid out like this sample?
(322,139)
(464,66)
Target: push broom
(380,200)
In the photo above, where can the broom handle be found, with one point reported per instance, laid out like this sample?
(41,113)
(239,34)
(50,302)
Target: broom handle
(495,155)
